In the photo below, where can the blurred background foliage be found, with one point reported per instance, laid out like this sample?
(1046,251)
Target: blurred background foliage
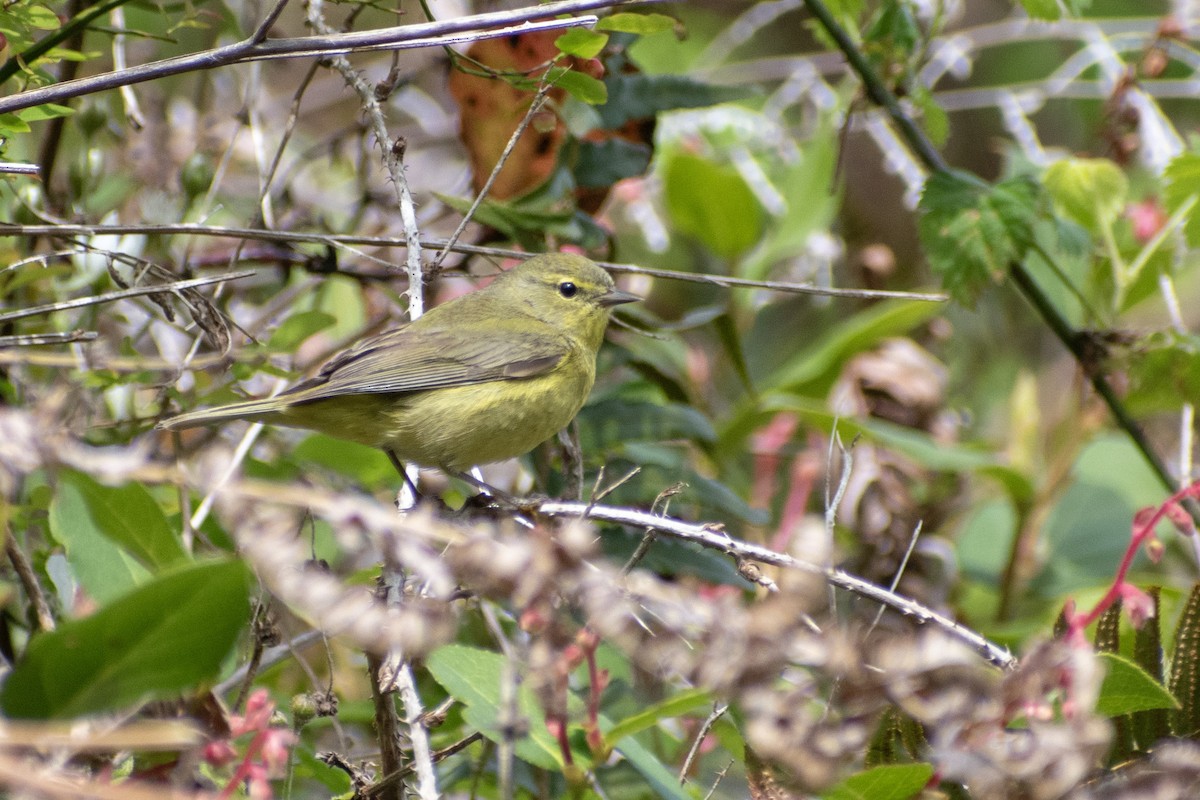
(720,139)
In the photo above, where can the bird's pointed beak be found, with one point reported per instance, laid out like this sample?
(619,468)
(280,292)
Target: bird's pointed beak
(616,298)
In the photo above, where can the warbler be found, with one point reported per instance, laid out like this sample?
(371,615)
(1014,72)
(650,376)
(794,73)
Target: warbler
(485,377)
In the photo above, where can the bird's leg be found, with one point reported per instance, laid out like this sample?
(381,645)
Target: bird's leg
(408,481)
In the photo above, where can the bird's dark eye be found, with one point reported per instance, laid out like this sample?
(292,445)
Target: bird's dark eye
(568,289)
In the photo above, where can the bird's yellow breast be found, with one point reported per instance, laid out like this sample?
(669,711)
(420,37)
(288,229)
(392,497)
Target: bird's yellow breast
(457,427)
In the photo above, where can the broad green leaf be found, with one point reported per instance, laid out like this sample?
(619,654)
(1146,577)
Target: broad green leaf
(620,420)
(1042,9)
(886,782)
(581,43)
(114,537)
(601,164)
(298,327)
(973,232)
(641,96)
(819,363)
(472,676)
(582,87)
(1091,191)
(160,639)
(712,202)
(367,465)
(675,706)
(1128,688)
(44,112)
(1183,184)
(639,24)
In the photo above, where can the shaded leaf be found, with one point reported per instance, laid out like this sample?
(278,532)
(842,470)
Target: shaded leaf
(1127,688)
(161,638)
(1183,185)
(640,96)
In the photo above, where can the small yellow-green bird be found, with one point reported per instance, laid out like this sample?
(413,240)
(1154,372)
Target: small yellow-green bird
(485,377)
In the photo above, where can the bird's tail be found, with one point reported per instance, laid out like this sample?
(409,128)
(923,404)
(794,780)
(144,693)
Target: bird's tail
(253,410)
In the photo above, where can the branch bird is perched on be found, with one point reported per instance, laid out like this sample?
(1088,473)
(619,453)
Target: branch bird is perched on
(485,377)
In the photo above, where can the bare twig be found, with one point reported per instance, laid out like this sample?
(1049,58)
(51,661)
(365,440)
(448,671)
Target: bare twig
(708,536)
(48,338)
(535,105)
(122,294)
(718,711)
(430,34)
(29,582)
(17,168)
(723,281)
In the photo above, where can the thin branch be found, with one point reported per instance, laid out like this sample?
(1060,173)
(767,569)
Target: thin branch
(183,229)
(535,105)
(712,537)
(123,294)
(48,338)
(18,168)
(29,582)
(430,34)
(718,711)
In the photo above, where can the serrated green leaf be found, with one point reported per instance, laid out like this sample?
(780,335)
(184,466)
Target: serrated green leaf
(1091,191)
(581,43)
(160,639)
(298,327)
(114,537)
(1183,184)
(1128,688)
(973,232)
(885,782)
(1164,372)
(675,706)
(639,24)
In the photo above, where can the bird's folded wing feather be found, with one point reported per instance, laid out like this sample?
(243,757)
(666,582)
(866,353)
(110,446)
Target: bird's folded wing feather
(414,360)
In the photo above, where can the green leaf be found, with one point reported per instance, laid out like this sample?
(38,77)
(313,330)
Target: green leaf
(621,420)
(1042,9)
(1183,184)
(675,706)
(1091,191)
(472,676)
(1164,372)
(581,43)
(641,96)
(601,164)
(161,639)
(818,364)
(114,537)
(639,24)
(712,202)
(1128,688)
(367,465)
(972,232)
(663,782)
(886,782)
(298,327)
(582,87)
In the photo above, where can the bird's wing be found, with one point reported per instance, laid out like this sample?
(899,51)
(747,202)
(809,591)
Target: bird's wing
(414,359)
